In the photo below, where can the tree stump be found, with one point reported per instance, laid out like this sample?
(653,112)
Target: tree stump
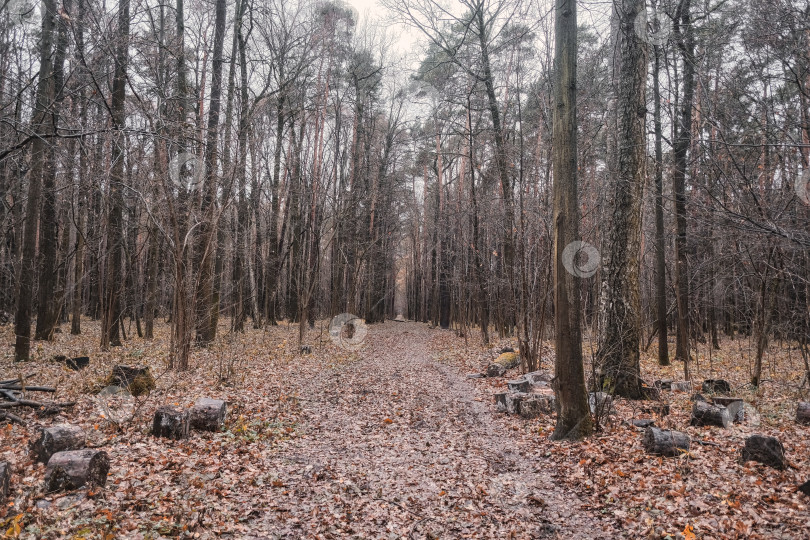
(138,379)
(716,386)
(680,386)
(5,480)
(665,442)
(803,412)
(735,406)
(56,439)
(208,414)
(704,414)
(767,450)
(519,385)
(540,378)
(500,401)
(74,469)
(171,423)
(495,370)
(805,488)
(665,384)
(536,405)
(513,402)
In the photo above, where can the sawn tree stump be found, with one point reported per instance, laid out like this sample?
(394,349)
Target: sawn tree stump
(716,386)
(56,439)
(664,442)
(208,414)
(704,414)
(767,450)
(171,423)
(74,469)
(735,406)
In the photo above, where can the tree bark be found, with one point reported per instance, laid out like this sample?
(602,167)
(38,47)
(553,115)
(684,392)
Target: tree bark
(660,243)
(206,245)
(573,417)
(112,312)
(39,150)
(684,32)
(618,355)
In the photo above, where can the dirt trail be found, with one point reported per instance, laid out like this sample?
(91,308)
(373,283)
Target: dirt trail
(399,445)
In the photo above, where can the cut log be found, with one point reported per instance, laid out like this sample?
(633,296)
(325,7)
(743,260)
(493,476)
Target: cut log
(805,488)
(704,414)
(506,350)
(642,422)
(767,450)
(74,469)
(600,403)
(665,384)
(80,362)
(519,385)
(716,386)
(500,401)
(495,370)
(208,414)
(665,442)
(735,406)
(55,439)
(171,423)
(540,378)
(138,379)
(513,402)
(681,386)
(803,413)
(536,405)
(5,480)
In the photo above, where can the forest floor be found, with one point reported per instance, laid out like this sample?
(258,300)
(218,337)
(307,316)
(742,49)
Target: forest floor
(392,440)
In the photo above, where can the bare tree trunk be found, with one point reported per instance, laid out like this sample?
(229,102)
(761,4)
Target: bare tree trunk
(620,330)
(660,244)
(686,44)
(573,415)
(50,301)
(111,315)
(39,150)
(206,245)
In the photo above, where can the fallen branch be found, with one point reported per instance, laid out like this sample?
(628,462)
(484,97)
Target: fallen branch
(28,388)
(13,418)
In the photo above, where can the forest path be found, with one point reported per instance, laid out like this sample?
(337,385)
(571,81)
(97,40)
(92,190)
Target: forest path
(399,445)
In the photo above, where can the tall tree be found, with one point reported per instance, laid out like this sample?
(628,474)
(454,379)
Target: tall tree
(42,127)
(573,415)
(620,328)
(112,312)
(660,245)
(206,246)
(685,36)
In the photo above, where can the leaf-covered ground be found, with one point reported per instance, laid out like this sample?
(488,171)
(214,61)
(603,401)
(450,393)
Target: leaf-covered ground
(709,492)
(389,441)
